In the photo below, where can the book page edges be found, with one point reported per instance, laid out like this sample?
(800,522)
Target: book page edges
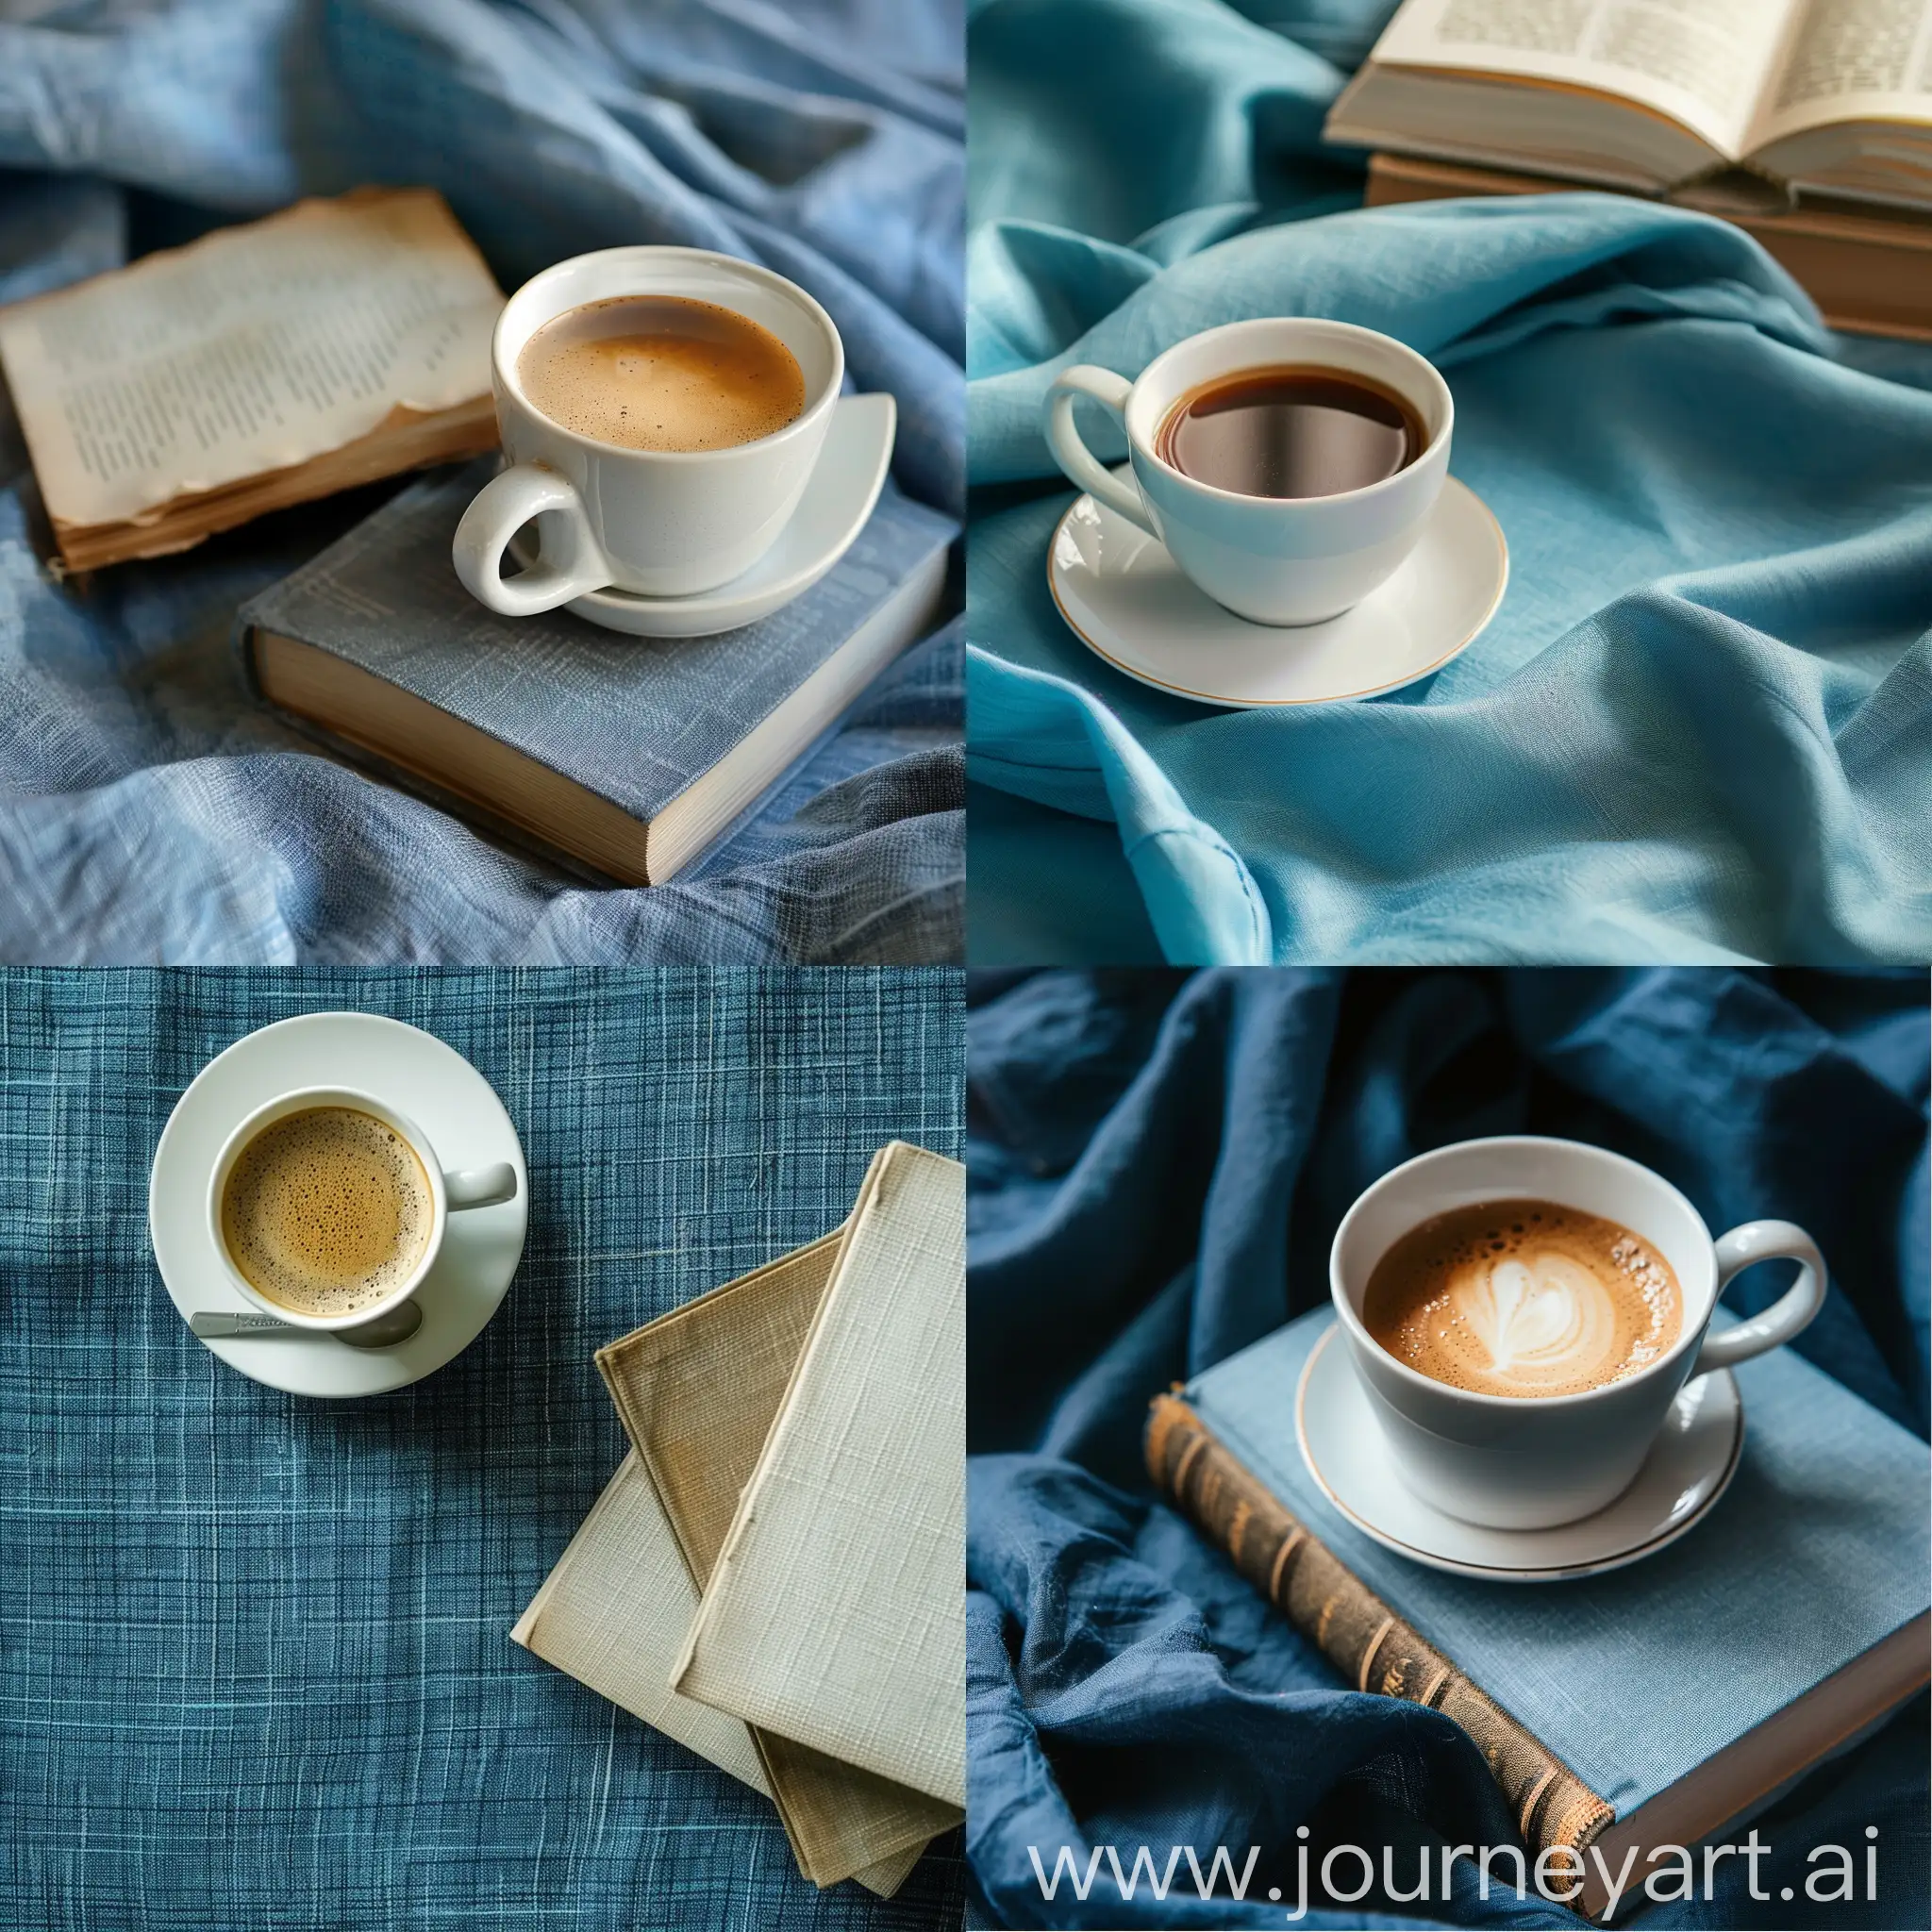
(405,440)
(302,430)
(1736,1783)
(689,825)
(499,781)
(1868,273)
(1747,48)
(450,754)
(1351,123)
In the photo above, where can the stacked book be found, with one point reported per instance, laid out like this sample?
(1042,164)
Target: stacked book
(774,1574)
(1807,122)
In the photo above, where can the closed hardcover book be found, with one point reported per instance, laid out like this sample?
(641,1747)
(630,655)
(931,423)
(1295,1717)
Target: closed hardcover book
(1868,269)
(622,757)
(835,1612)
(1651,1705)
(698,1390)
(613,1612)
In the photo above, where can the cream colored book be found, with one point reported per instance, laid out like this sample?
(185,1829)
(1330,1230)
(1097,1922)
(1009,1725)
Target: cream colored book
(613,1613)
(835,1614)
(698,1390)
(1819,97)
(264,365)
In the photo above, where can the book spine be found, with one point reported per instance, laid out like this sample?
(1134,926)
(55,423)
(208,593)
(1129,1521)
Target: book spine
(1359,1635)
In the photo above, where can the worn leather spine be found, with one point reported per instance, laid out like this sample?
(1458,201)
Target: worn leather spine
(1359,1635)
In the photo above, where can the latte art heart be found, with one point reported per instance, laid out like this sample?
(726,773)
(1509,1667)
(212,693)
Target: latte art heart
(1523,1298)
(1542,1318)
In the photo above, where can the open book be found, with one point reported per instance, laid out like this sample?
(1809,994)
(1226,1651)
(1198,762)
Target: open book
(264,365)
(1828,97)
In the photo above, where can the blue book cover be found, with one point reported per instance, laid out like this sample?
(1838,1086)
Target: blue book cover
(613,753)
(1821,1548)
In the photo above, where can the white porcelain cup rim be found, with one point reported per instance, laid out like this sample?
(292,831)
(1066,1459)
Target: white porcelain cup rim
(1282,562)
(1701,1298)
(514,328)
(479,1188)
(1438,411)
(655,524)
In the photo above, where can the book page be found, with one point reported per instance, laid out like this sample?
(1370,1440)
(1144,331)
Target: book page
(1702,63)
(1851,61)
(253,349)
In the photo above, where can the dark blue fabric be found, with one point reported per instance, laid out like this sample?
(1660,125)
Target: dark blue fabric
(1158,1167)
(255,1659)
(150,811)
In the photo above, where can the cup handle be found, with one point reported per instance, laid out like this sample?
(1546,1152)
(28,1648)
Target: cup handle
(1083,468)
(497,512)
(1765,1240)
(480,1186)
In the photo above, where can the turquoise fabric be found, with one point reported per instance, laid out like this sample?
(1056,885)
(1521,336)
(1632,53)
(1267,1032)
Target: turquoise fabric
(1700,727)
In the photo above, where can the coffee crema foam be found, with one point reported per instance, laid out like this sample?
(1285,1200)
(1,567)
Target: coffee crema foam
(1523,1298)
(326,1211)
(661,372)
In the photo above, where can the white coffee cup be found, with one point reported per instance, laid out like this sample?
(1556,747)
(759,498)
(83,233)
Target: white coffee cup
(657,522)
(449,1193)
(1528,1462)
(1280,560)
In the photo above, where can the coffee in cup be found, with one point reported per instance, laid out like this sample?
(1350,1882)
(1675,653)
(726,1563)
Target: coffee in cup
(326,1212)
(1287,463)
(661,411)
(1524,1298)
(661,372)
(1302,430)
(1466,1429)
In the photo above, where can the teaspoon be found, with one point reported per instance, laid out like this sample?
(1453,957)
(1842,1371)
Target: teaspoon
(385,1330)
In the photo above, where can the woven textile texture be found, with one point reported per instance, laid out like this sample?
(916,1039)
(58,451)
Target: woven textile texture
(257,1667)
(149,809)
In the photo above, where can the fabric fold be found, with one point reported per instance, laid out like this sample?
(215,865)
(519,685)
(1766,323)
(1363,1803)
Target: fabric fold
(1667,435)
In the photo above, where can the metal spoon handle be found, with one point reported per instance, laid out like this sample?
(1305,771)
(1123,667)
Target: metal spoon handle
(384,1331)
(216,1322)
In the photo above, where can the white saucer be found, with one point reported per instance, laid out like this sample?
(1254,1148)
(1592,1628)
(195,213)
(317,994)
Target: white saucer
(451,1102)
(844,486)
(1687,1470)
(1126,599)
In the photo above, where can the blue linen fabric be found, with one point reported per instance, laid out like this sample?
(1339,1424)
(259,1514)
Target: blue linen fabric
(1157,1164)
(258,1657)
(150,811)
(1699,728)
